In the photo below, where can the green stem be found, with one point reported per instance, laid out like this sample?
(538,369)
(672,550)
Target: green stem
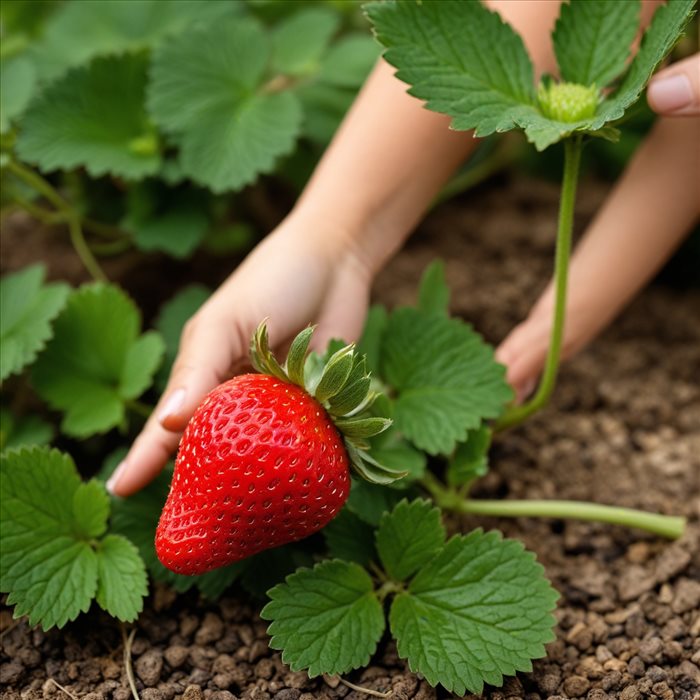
(143,409)
(83,250)
(517,414)
(111,248)
(44,215)
(40,185)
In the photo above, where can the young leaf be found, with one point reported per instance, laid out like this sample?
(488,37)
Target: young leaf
(47,567)
(434,294)
(470,459)
(479,610)
(96,360)
(213,103)
(23,432)
(122,578)
(18,78)
(446,385)
(409,537)
(27,308)
(592,39)
(299,41)
(460,58)
(349,538)
(94,118)
(326,619)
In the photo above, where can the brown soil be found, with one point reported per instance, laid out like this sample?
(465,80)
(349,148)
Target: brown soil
(624,428)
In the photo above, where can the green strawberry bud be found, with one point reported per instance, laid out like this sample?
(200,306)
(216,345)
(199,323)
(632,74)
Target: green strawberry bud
(567,102)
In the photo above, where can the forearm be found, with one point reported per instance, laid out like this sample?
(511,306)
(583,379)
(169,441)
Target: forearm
(391,156)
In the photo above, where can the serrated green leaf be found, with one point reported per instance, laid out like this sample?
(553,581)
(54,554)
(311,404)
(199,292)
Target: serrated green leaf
(462,59)
(27,308)
(267,569)
(90,510)
(446,385)
(349,538)
(480,610)
(23,432)
(299,41)
(408,537)
(81,30)
(369,501)
(206,89)
(122,582)
(326,619)
(18,78)
(434,294)
(592,39)
(171,319)
(470,459)
(94,117)
(349,61)
(49,572)
(371,342)
(96,360)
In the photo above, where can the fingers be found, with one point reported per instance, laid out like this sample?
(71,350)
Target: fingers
(675,91)
(207,353)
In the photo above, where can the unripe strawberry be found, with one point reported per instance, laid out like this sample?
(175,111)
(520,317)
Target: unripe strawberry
(265,458)
(567,102)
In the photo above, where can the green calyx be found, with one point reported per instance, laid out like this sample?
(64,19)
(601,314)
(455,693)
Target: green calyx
(567,102)
(341,384)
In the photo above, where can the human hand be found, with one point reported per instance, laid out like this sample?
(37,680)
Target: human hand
(675,91)
(297,275)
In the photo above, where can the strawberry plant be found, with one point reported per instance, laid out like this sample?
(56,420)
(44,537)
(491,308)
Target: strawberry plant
(262,494)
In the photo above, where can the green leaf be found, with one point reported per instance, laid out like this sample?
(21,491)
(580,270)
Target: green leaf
(371,342)
(213,103)
(434,294)
(592,39)
(170,321)
(462,59)
(409,537)
(349,538)
(267,569)
(212,584)
(27,308)
(23,432)
(324,107)
(480,610)
(81,30)
(446,385)
(470,459)
(349,61)
(93,118)
(300,40)
(369,501)
(49,571)
(326,619)
(18,79)
(90,510)
(122,578)
(96,360)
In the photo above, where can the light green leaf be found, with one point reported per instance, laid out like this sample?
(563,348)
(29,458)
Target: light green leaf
(480,610)
(462,59)
(27,308)
(349,538)
(470,459)
(326,619)
(399,456)
(81,30)
(122,582)
(96,361)
(23,432)
(93,118)
(349,61)
(592,39)
(207,90)
(434,294)
(48,570)
(18,79)
(446,385)
(299,41)
(409,537)
(90,510)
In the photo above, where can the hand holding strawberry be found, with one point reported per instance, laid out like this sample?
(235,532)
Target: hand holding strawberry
(265,458)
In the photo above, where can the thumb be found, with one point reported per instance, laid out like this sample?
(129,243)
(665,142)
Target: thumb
(675,91)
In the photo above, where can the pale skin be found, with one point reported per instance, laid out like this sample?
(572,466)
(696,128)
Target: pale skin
(377,178)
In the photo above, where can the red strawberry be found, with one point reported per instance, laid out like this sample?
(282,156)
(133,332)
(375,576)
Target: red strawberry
(265,458)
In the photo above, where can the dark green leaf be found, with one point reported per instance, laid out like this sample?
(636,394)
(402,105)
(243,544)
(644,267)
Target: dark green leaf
(349,538)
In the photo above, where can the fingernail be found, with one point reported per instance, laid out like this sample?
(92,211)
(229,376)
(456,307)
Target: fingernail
(670,94)
(112,481)
(172,404)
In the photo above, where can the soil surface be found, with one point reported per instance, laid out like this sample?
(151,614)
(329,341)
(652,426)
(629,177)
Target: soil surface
(623,428)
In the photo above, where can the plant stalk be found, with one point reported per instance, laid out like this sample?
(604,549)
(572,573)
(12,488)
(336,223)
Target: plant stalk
(517,414)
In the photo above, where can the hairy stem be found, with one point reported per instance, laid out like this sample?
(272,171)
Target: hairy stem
(517,414)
